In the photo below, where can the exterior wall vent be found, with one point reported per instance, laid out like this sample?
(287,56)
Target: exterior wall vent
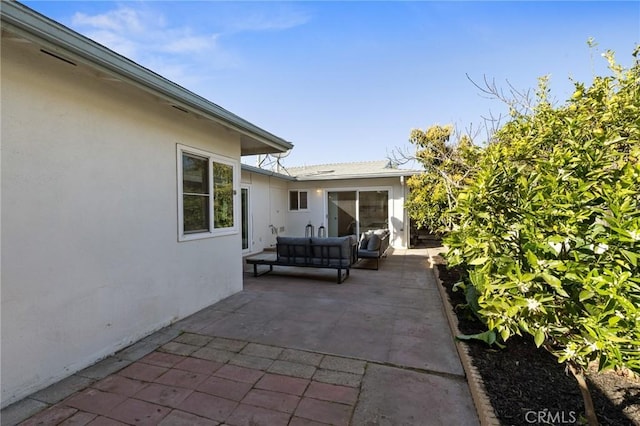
(46,52)
(180,109)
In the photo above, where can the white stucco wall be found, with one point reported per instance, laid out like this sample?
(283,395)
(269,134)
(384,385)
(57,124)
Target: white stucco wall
(267,209)
(317,191)
(90,257)
(297,221)
(270,205)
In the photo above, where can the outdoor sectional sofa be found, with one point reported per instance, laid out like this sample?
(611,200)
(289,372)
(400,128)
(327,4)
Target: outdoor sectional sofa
(315,252)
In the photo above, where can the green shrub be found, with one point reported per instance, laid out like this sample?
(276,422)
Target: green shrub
(549,229)
(447,165)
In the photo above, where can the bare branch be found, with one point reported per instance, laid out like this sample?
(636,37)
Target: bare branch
(519,101)
(401,156)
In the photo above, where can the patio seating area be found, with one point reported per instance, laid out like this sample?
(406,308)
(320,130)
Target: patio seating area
(287,350)
(309,252)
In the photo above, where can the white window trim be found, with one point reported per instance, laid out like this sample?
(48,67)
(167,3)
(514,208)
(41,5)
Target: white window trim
(299,209)
(249,189)
(211,158)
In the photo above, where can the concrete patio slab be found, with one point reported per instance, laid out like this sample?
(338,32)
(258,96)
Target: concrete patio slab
(393,396)
(375,315)
(293,348)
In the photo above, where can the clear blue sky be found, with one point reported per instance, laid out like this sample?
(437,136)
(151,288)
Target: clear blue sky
(347,81)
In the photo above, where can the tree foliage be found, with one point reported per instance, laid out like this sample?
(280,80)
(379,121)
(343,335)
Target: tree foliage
(447,165)
(549,228)
(545,220)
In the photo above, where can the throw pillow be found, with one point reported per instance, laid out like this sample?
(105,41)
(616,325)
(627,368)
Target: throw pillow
(364,241)
(374,243)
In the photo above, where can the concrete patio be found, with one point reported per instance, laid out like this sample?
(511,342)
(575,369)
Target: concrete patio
(293,348)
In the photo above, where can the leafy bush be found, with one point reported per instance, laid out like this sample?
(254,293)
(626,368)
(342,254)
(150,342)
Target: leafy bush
(550,226)
(549,229)
(447,165)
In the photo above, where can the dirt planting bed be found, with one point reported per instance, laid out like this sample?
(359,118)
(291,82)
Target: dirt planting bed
(526,385)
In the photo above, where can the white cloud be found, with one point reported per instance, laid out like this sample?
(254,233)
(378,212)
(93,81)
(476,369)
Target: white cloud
(141,30)
(114,41)
(175,51)
(272,19)
(189,44)
(123,19)
(182,47)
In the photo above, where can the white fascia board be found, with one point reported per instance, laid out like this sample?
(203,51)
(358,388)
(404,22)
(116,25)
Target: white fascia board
(23,21)
(358,176)
(301,178)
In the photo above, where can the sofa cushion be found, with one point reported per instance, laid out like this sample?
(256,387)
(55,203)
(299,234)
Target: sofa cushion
(374,242)
(332,247)
(294,247)
(334,263)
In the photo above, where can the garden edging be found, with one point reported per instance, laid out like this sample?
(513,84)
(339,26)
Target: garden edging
(486,413)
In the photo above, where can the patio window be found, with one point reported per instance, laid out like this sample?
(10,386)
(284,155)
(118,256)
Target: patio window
(206,194)
(298,201)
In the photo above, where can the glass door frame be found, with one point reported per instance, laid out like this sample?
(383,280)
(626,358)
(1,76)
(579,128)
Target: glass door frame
(357,190)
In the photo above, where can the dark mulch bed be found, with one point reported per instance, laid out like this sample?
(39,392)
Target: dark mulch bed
(526,385)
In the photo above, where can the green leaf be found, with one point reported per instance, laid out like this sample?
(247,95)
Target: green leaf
(586,294)
(533,260)
(613,320)
(539,337)
(505,334)
(489,337)
(471,295)
(555,283)
(460,285)
(631,256)
(479,261)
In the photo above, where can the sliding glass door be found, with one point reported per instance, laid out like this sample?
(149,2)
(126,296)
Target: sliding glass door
(353,212)
(373,210)
(342,213)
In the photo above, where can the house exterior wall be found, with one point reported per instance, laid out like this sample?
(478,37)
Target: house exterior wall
(271,194)
(297,221)
(317,213)
(90,254)
(268,209)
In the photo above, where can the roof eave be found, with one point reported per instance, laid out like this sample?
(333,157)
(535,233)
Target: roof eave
(358,176)
(258,170)
(23,21)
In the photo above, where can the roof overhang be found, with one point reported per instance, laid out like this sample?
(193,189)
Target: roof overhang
(264,172)
(326,177)
(329,176)
(24,23)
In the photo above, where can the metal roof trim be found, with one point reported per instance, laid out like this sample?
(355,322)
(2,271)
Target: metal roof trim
(358,176)
(308,178)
